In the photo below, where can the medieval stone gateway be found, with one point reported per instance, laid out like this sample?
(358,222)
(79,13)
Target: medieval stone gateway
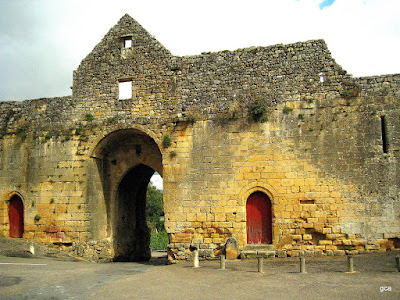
(277,147)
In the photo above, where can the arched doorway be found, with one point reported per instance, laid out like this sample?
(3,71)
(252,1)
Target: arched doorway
(16,217)
(126,159)
(259,219)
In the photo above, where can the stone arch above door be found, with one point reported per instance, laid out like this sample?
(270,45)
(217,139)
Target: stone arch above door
(257,187)
(268,190)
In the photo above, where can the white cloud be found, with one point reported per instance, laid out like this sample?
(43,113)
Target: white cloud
(43,41)
(157,181)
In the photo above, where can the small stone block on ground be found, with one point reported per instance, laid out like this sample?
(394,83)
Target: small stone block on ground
(266,253)
(248,254)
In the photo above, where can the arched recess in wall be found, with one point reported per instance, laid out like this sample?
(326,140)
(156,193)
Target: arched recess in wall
(125,161)
(16,213)
(259,219)
(258,199)
(113,132)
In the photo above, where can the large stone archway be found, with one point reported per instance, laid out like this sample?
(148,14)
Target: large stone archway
(125,160)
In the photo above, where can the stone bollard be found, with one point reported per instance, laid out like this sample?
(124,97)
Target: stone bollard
(231,248)
(222,261)
(398,262)
(350,265)
(302,263)
(196,258)
(32,249)
(260,264)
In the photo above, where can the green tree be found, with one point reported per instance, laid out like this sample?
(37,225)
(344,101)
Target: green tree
(155,218)
(154,208)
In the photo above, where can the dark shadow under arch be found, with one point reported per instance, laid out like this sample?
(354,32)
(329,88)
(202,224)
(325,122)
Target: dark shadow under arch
(132,235)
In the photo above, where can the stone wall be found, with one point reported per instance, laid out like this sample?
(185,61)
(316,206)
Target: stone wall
(284,120)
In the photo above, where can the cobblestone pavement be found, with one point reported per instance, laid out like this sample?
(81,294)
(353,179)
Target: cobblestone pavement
(376,277)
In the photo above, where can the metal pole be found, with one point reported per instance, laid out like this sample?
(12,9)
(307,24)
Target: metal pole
(222,261)
(350,265)
(398,262)
(260,264)
(196,258)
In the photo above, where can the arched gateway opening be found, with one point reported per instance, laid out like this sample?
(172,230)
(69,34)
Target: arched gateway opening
(126,160)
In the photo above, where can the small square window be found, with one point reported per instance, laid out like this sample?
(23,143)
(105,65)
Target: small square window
(125,89)
(128,43)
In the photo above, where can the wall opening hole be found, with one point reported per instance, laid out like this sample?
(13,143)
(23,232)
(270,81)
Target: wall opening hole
(394,243)
(125,89)
(385,144)
(128,43)
(307,201)
(138,149)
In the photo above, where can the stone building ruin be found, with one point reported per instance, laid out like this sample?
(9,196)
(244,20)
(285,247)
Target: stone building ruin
(277,147)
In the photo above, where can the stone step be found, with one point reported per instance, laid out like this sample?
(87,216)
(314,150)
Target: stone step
(257,247)
(257,253)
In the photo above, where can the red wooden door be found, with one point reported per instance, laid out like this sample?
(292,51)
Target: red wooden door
(259,219)
(16,217)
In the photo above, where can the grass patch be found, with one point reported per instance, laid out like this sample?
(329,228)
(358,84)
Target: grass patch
(287,110)
(89,117)
(257,109)
(166,141)
(159,240)
(112,120)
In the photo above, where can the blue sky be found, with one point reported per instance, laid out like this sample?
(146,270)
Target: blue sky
(43,41)
(326,3)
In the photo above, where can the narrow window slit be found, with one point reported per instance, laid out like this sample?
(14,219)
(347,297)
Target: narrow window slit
(307,201)
(385,144)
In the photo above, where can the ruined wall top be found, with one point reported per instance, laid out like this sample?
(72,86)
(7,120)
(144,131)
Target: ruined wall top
(171,87)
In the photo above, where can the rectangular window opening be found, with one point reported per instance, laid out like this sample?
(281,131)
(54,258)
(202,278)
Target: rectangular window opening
(128,43)
(385,144)
(125,89)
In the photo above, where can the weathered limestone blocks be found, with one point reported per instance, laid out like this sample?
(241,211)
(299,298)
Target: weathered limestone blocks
(285,121)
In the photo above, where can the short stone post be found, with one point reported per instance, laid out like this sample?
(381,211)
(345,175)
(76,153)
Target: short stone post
(398,262)
(231,248)
(32,249)
(260,264)
(350,265)
(302,263)
(196,258)
(222,261)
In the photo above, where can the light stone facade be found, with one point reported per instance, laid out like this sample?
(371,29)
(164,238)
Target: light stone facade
(324,149)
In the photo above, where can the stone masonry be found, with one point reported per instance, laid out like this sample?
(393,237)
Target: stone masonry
(285,121)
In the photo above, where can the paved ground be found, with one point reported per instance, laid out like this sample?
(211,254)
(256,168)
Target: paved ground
(58,278)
